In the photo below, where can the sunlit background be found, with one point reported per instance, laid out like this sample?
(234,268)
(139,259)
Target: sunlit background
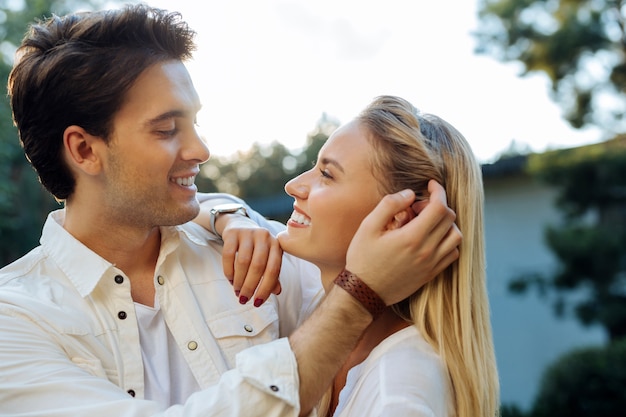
(267,70)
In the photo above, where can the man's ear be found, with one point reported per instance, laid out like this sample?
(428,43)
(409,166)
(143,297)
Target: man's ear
(82,150)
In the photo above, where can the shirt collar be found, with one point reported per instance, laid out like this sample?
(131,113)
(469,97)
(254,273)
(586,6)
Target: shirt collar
(82,266)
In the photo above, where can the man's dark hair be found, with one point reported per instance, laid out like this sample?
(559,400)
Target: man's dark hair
(77,69)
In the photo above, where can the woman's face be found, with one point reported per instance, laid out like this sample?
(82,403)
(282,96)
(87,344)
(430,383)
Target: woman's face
(332,199)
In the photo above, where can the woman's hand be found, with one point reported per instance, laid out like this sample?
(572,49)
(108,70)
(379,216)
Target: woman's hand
(251,259)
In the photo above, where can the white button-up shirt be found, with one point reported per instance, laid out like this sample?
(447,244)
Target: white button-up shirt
(69,341)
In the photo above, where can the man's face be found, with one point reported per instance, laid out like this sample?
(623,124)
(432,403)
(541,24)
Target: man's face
(155,151)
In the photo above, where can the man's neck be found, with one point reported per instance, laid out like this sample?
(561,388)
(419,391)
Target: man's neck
(131,248)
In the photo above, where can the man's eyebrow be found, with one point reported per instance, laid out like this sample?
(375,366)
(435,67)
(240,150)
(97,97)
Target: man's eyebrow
(330,161)
(162,117)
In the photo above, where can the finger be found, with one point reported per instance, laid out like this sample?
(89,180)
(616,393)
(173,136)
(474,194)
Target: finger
(404,217)
(277,288)
(436,218)
(446,261)
(387,208)
(242,263)
(448,250)
(254,276)
(229,253)
(418,206)
(437,192)
(268,277)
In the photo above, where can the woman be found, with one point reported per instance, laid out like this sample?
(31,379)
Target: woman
(431,354)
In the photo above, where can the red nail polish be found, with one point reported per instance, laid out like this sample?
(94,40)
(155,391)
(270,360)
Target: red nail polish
(243,299)
(236,293)
(258,302)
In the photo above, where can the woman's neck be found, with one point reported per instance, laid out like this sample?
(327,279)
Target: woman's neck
(328,275)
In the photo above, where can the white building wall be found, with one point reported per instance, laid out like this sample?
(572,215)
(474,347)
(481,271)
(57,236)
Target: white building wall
(527,335)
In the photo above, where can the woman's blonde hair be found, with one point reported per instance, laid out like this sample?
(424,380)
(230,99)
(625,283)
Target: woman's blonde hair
(452,311)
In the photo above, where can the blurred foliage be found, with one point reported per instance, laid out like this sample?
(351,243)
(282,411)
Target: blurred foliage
(589,243)
(585,382)
(511,410)
(579,45)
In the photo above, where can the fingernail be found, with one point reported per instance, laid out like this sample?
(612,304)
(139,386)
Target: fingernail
(258,302)
(405,193)
(243,299)
(231,281)
(236,293)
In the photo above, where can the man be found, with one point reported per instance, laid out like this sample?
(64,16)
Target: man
(124,309)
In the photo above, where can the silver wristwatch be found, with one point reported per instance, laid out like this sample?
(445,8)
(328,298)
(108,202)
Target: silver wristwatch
(227,208)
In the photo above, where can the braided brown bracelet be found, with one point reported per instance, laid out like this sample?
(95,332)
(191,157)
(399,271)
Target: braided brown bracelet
(359,290)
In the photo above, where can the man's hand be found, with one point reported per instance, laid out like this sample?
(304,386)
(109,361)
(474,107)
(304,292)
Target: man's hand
(395,263)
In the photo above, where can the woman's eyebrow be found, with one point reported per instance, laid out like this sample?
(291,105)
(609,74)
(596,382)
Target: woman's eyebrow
(330,161)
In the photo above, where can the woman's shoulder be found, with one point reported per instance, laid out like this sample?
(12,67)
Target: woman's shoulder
(406,356)
(402,371)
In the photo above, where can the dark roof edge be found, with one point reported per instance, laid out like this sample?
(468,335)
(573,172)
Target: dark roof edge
(511,165)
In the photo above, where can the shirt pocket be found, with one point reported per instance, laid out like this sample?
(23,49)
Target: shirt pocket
(244,328)
(93,366)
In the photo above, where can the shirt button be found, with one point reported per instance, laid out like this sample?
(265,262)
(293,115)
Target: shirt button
(192,345)
(274,388)
(121,315)
(248,328)
(131,392)
(119,279)
(160,280)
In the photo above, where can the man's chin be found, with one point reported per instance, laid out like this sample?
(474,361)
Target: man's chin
(184,215)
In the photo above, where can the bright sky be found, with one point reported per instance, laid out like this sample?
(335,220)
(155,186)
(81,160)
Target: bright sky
(266,70)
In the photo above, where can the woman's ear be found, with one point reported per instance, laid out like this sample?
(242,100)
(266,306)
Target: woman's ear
(81,150)
(401,218)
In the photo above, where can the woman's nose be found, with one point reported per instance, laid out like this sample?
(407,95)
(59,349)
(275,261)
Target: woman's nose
(296,187)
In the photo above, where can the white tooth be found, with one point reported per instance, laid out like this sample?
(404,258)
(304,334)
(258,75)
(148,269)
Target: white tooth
(300,218)
(185,181)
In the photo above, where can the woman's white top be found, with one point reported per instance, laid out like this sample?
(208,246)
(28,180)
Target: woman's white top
(402,376)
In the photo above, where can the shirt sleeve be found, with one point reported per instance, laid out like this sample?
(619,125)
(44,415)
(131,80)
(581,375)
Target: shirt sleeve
(40,378)
(273,226)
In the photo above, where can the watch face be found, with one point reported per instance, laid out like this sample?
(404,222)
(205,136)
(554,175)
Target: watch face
(227,208)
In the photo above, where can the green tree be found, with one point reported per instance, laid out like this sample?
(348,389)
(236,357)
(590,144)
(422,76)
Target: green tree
(585,382)
(589,243)
(579,45)
(23,201)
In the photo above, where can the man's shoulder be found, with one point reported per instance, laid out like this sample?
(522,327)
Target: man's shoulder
(28,283)
(23,266)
